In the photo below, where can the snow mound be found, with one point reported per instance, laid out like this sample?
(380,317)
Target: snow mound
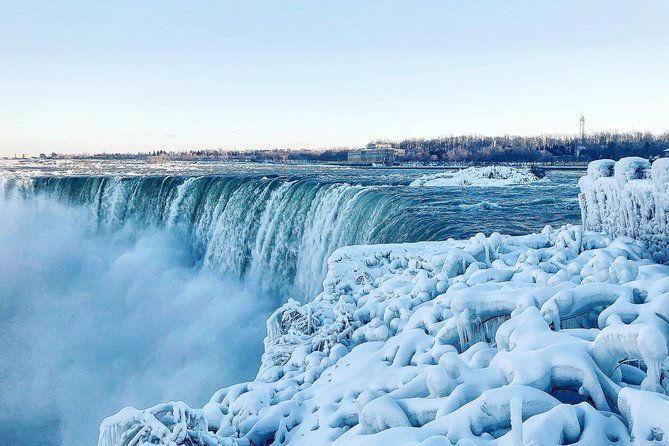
(551,338)
(488,176)
(628,198)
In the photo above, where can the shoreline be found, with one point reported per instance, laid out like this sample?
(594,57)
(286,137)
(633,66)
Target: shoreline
(361,166)
(462,341)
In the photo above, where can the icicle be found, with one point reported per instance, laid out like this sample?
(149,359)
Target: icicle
(516,410)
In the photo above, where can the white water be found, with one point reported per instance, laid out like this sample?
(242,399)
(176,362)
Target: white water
(90,323)
(132,272)
(276,233)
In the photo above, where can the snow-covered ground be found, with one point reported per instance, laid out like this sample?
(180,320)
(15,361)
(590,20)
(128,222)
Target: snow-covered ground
(551,338)
(488,176)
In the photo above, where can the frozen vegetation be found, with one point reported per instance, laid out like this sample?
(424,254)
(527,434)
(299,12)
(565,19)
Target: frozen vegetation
(629,198)
(488,176)
(552,338)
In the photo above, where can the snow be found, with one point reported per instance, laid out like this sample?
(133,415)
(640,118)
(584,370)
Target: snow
(552,338)
(601,168)
(559,337)
(488,176)
(646,415)
(628,198)
(632,168)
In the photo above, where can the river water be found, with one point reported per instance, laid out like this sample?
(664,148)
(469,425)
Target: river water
(125,283)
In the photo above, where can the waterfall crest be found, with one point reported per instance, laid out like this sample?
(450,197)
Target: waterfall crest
(276,232)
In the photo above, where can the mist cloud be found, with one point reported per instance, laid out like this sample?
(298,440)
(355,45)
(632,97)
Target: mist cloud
(91,322)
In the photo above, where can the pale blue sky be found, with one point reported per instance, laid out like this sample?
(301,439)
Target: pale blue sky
(91,76)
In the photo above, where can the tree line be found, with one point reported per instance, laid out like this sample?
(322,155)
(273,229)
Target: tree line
(445,149)
(545,148)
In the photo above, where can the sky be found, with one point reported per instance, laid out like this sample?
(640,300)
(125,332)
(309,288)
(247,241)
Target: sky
(85,76)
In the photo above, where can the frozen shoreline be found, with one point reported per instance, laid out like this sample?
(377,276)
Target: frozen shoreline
(548,338)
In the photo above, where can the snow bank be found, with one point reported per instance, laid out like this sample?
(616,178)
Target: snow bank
(488,176)
(628,198)
(551,338)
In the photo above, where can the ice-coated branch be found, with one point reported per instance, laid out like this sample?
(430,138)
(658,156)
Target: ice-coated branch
(558,337)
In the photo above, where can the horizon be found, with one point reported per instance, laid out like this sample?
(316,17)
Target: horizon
(333,223)
(326,148)
(132,76)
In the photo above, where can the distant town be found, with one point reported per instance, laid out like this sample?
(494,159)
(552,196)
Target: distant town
(466,149)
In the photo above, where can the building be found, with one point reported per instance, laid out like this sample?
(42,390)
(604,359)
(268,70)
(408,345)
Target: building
(375,153)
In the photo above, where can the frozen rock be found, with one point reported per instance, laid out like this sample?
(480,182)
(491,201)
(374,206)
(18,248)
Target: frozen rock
(632,168)
(488,176)
(646,415)
(540,339)
(381,414)
(634,203)
(601,168)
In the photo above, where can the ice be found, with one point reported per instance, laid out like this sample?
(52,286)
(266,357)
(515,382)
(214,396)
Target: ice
(170,423)
(632,168)
(559,337)
(646,415)
(456,342)
(382,413)
(601,168)
(660,174)
(488,176)
(631,201)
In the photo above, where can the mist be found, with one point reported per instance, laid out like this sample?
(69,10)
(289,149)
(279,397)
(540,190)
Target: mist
(91,322)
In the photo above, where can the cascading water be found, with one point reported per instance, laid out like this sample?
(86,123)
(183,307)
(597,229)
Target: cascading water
(177,267)
(276,232)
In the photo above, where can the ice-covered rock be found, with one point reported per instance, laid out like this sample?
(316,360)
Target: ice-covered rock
(629,200)
(660,174)
(488,176)
(632,168)
(601,168)
(646,415)
(552,338)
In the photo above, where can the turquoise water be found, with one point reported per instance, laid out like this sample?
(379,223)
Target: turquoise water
(148,283)
(282,222)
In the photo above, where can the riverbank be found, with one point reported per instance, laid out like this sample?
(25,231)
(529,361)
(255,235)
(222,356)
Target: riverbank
(557,337)
(565,167)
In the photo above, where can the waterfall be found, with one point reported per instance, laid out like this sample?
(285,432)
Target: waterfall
(276,232)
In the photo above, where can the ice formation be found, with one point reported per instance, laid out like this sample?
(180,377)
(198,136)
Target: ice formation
(552,338)
(629,198)
(477,176)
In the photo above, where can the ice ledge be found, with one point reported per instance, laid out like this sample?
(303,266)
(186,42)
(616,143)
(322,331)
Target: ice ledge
(628,198)
(494,340)
(553,338)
